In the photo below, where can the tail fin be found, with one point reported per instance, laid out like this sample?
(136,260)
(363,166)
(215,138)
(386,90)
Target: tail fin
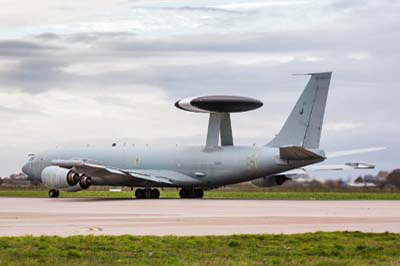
(303,127)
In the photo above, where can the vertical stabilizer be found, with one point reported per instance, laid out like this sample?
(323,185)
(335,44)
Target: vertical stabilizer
(304,124)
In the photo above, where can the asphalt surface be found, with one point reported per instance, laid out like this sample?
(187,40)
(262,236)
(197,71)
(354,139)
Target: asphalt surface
(64,217)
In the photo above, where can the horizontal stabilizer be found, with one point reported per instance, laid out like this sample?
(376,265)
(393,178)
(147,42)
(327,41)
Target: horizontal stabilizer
(295,153)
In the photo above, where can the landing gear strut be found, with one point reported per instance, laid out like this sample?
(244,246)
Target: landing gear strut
(54,193)
(196,193)
(147,193)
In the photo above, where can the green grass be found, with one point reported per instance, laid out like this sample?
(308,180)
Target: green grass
(222,194)
(302,249)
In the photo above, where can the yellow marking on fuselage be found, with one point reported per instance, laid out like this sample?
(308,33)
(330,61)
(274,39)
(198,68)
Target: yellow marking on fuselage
(252,161)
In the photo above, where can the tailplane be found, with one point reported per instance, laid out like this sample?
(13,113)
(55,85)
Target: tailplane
(304,124)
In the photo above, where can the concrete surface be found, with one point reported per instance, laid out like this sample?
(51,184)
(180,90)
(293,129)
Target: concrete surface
(64,217)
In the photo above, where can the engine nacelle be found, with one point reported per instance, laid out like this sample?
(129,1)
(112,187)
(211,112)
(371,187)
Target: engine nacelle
(59,178)
(270,181)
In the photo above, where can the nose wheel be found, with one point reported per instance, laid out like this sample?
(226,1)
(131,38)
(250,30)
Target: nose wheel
(54,193)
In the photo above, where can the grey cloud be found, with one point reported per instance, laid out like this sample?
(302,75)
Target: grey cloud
(35,75)
(348,4)
(9,48)
(193,9)
(83,37)
(116,101)
(97,36)
(48,36)
(375,78)
(41,75)
(317,40)
(19,111)
(366,30)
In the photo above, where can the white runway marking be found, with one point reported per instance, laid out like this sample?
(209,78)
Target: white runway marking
(64,217)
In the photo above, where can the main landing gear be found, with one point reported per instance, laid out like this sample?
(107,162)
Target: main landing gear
(184,193)
(54,193)
(147,193)
(196,193)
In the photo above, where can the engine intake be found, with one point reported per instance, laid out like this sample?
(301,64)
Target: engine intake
(85,181)
(72,178)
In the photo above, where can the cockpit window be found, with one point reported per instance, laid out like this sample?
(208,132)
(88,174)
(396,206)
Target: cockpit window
(31,158)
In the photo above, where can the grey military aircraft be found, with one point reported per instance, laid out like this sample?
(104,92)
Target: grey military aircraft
(194,169)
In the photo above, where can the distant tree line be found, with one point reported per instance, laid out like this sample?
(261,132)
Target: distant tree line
(382,179)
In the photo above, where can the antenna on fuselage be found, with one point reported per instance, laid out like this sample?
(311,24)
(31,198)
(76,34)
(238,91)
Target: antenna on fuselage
(219,107)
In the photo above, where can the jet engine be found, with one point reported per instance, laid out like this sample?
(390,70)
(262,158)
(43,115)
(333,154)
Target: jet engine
(270,181)
(60,178)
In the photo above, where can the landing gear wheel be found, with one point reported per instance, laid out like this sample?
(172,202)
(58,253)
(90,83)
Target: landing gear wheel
(53,193)
(198,193)
(184,193)
(139,193)
(148,193)
(155,193)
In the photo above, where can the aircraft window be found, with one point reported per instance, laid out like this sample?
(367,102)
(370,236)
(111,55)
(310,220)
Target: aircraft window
(31,158)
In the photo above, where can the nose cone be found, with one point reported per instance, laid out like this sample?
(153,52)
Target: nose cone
(26,169)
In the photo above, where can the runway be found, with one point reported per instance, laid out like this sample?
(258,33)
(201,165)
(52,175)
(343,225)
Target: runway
(65,217)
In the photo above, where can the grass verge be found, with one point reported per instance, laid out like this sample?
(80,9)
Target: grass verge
(303,249)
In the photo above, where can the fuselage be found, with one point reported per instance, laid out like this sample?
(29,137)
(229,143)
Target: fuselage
(210,168)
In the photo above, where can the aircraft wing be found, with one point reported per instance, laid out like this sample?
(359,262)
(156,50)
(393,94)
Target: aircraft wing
(328,167)
(165,177)
(295,151)
(336,154)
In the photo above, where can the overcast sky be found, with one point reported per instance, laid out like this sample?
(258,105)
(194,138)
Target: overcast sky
(95,72)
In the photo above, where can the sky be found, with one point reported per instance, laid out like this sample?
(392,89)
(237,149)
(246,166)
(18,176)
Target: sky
(77,73)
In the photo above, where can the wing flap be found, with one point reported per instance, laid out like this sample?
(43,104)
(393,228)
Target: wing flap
(156,179)
(165,176)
